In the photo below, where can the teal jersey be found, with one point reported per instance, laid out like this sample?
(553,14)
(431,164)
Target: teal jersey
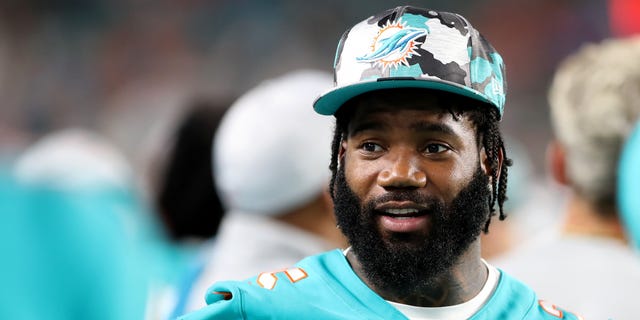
(325,287)
(69,255)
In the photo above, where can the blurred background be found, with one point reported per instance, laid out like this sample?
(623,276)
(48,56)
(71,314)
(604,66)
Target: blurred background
(74,62)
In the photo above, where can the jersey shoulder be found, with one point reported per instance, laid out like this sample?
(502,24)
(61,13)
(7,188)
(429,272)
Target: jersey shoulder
(513,299)
(315,288)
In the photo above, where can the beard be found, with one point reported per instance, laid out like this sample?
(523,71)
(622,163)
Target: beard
(407,262)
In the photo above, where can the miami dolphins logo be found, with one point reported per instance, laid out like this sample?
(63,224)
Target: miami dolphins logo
(394,44)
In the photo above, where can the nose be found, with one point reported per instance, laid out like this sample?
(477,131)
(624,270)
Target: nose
(403,171)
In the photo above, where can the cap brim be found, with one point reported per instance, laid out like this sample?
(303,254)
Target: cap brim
(331,101)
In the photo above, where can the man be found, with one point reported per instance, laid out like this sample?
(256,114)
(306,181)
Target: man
(418,166)
(586,263)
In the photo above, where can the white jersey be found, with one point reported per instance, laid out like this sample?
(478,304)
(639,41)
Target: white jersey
(596,276)
(248,244)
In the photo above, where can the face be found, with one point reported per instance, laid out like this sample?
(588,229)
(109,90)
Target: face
(411,191)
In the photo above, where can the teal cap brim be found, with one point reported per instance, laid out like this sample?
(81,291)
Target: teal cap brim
(330,102)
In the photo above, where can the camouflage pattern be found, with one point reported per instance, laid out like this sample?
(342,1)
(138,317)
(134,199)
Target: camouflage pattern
(399,46)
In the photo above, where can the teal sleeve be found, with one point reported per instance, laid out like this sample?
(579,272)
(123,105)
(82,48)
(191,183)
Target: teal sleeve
(284,297)
(223,309)
(224,301)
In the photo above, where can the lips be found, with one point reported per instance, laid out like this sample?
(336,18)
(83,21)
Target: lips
(401,212)
(400,208)
(402,217)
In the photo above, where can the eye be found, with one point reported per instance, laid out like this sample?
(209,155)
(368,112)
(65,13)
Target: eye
(371,147)
(436,148)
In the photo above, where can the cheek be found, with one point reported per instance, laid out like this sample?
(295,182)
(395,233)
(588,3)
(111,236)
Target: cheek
(450,180)
(361,177)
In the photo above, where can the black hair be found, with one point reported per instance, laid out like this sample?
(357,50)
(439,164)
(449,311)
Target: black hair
(486,119)
(187,200)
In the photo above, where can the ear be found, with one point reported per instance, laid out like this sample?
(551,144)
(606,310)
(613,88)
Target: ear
(341,152)
(557,162)
(485,163)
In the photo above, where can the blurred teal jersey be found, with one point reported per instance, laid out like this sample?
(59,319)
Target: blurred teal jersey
(68,255)
(325,287)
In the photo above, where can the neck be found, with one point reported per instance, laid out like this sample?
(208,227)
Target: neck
(582,218)
(459,284)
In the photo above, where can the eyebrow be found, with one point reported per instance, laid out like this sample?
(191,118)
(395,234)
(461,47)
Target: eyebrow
(420,126)
(369,125)
(423,126)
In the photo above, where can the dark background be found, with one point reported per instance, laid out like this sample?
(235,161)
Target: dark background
(75,62)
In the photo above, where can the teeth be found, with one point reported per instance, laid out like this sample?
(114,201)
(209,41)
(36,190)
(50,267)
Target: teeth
(401,211)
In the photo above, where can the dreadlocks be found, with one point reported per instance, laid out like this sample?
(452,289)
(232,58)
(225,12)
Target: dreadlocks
(486,119)
(488,132)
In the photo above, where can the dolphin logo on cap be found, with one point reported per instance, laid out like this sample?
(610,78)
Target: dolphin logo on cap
(394,44)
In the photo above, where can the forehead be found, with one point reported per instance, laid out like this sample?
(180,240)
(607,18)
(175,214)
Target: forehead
(405,106)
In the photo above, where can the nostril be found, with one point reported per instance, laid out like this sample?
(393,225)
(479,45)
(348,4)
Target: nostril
(406,179)
(399,188)
(420,178)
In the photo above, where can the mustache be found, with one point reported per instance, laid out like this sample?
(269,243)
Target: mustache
(402,196)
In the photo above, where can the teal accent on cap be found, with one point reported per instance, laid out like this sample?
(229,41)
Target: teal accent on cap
(481,69)
(416,20)
(404,71)
(629,186)
(331,101)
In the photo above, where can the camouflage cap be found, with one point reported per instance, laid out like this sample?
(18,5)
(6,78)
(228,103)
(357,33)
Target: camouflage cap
(409,47)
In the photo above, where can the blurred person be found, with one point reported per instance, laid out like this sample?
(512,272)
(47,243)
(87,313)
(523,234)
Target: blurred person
(186,197)
(272,181)
(586,262)
(79,159)
(74,158)
(71,237)
(165,128)
(142,119)
(629,186)
(419,169)
(532,206)
(187,201)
